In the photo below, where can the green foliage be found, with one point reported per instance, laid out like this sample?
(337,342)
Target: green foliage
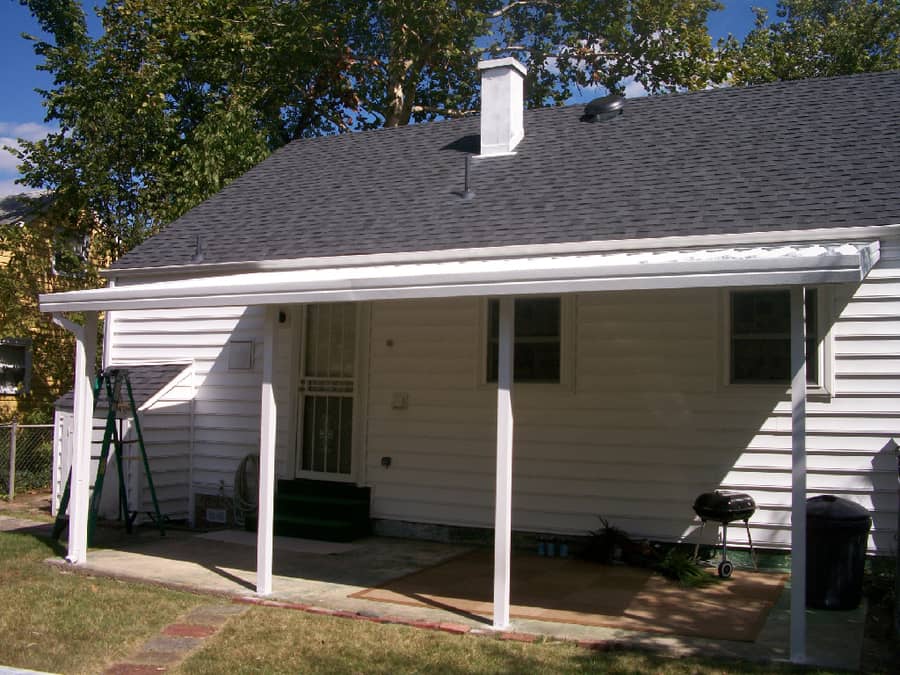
(681,567)
(417,60)
(816,38)
(36,248)
(174,100)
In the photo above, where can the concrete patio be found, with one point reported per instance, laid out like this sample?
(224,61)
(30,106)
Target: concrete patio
(322,576)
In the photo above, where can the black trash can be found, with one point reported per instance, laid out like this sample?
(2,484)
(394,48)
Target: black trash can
(836,534)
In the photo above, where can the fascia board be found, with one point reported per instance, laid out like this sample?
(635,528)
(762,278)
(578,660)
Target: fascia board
(808,277)
(770,238)
(466,279)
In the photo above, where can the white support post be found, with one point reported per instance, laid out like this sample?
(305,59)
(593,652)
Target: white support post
(266,511)
(798,485)
(503,508)
(79,494)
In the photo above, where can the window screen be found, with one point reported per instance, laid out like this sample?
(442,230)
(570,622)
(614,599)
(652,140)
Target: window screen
(761,337)
(537,340)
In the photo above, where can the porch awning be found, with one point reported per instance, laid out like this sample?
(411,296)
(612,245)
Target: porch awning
(807,264)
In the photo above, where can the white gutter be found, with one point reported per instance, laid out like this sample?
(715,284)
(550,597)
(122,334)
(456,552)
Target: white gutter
(772,238)
(781,266)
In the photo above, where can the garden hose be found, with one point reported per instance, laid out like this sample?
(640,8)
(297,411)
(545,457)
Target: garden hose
(246,489)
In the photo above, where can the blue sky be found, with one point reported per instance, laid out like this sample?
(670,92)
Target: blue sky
(22,115)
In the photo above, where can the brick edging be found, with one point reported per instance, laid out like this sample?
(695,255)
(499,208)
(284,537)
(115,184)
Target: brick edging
(440,626)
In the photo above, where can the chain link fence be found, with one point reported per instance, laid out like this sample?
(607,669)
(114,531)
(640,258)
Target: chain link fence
(26,457)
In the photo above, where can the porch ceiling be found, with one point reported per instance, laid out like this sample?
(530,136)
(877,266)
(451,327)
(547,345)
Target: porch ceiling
(807,264)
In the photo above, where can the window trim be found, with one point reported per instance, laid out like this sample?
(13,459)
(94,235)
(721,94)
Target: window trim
(823,387)
(567,310)
(26,345)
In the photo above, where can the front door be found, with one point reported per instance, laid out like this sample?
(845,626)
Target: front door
(327,395)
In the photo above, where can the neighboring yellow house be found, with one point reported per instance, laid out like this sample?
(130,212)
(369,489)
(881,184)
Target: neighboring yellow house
(35,355)
(15,349)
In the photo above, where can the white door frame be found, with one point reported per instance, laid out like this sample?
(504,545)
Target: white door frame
(360,398)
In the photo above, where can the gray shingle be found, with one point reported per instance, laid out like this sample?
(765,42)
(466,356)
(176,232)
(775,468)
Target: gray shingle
(145,380)
(789,155)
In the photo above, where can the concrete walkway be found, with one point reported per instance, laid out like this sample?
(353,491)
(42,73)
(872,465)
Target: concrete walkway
(310,578)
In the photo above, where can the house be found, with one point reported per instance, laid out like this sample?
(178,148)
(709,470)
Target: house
(521,321)
(15,340)
(37,255)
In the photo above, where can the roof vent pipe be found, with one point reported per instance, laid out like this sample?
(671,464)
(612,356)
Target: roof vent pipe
(502,102)
(467,193)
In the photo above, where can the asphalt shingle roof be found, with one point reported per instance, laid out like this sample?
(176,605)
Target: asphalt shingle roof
(16,208)
(146,382)
(790,155)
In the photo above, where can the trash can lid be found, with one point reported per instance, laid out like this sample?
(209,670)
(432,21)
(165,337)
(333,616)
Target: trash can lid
(835,512)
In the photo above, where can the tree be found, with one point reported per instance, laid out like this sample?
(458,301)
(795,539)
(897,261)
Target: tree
(816,38)
(414,61)
(173,101)
(176,99)
(38,256)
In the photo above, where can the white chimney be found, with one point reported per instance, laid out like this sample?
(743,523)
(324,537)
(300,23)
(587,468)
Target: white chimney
(502,102)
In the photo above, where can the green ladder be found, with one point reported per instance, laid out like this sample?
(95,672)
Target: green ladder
(110,382)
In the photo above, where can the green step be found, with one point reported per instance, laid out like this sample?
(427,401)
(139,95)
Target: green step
(322,488)
(328,510)
(315,499)
(320,528)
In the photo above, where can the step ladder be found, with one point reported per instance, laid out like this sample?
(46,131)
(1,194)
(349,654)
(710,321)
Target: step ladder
(115,385)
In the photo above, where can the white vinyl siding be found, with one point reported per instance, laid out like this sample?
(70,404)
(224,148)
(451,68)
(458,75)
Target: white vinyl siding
(226,405)
(646,425)
(166,427)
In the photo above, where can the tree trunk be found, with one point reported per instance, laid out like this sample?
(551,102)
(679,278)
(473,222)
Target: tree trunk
(401,93)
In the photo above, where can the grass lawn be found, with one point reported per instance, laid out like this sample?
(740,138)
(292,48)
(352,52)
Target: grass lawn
(67,623)
(62,622)
(271,640)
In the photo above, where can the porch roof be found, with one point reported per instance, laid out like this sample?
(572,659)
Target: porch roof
(807,264)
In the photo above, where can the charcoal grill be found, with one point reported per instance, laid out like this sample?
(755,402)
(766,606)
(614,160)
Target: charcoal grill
(724,507)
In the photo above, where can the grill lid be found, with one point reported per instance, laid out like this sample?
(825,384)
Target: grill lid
(724,506)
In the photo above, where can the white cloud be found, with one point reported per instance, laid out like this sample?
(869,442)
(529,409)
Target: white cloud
(634,89)
(10,132)
(8,161)
(10,187)
(30,131)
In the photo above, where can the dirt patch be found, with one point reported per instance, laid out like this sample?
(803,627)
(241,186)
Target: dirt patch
(33,504)
(585,593)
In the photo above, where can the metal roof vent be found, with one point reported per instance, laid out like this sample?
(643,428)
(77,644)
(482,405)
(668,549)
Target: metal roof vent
(604,108)
(200,251)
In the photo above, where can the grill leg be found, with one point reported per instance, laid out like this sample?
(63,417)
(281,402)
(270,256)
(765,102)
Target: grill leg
(699,539)
(750,539)
(724,542)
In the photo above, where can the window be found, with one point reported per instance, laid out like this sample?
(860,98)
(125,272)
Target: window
(70,255)
(761,337)
(15,366)
(538,340)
